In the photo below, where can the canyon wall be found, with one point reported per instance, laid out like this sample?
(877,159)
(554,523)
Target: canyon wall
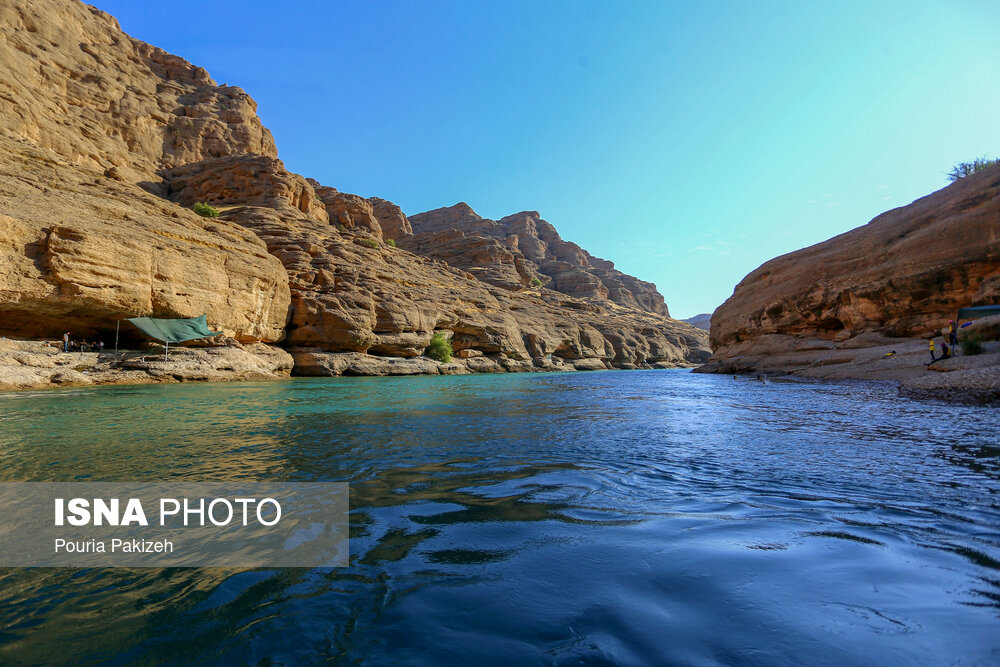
(90,117)
(904,275)
(521,248)
(106,142)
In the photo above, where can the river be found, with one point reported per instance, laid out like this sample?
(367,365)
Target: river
(645,517)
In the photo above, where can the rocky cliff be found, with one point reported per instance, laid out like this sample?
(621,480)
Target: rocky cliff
(889,284)
(89,119)
(521,248)
(905,273)
(352,292)
(108,141)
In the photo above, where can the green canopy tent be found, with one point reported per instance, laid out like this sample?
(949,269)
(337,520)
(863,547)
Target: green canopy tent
(973,312)
(174,330)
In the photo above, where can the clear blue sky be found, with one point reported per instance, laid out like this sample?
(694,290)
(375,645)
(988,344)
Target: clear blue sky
(688,142)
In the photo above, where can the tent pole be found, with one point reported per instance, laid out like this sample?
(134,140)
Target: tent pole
(117,327)
(166,349)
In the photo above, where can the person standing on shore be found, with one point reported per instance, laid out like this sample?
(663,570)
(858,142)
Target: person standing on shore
(933,358)
(66,342)
(952,335)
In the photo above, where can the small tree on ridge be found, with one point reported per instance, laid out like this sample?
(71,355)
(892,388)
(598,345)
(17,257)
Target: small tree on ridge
(963,169)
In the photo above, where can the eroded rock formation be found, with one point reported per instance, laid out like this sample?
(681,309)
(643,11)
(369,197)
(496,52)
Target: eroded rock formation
(89,118)
(73,83)
(108,141)
(79,250)
(513,251)
(352,292)
(33,364)
(901,276)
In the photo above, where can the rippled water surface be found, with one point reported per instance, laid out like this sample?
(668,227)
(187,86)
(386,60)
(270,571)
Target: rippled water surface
(652,517)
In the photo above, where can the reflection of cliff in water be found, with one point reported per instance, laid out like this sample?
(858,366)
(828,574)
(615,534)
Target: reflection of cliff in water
(214,432)
(980,457)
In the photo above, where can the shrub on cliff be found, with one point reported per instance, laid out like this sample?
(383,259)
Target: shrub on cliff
(371,243)
(391,243)
(439,349)
(971,344)
(535,282)
(205,210)
(963,169)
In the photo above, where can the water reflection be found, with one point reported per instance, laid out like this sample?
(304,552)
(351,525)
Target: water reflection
(981,457)
(606,517)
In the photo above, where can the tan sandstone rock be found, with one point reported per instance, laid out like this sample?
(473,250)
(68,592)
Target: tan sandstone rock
(73,83)
(33,365)
(78,255)
(905,273)
(90,116)
(390,218)
(522,247)
(863,304)
(107,142)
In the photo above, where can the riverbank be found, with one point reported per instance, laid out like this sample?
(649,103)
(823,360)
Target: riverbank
(30,364)
(961,379)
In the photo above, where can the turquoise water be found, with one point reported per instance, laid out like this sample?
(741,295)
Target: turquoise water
(655,517)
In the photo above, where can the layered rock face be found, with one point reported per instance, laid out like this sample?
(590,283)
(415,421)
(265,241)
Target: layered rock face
(78,251)
(108,141)
(352,292)
(74,83)
(390,218)
(903,275)
(513,251)
(88,114)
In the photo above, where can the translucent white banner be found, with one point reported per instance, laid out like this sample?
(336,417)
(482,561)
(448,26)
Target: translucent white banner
(168,524)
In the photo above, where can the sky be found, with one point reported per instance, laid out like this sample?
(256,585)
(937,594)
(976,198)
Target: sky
(688,142)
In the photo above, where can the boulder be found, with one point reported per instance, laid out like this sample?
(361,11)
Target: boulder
(589,365)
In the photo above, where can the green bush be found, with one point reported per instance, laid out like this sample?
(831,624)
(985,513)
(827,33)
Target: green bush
(391,243)
(439,349)
(971,344)
(535,282)
(205,210)
(963,169)
(371,243)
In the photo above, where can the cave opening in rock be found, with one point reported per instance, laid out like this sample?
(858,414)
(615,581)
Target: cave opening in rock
(830,324)
(21,324)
